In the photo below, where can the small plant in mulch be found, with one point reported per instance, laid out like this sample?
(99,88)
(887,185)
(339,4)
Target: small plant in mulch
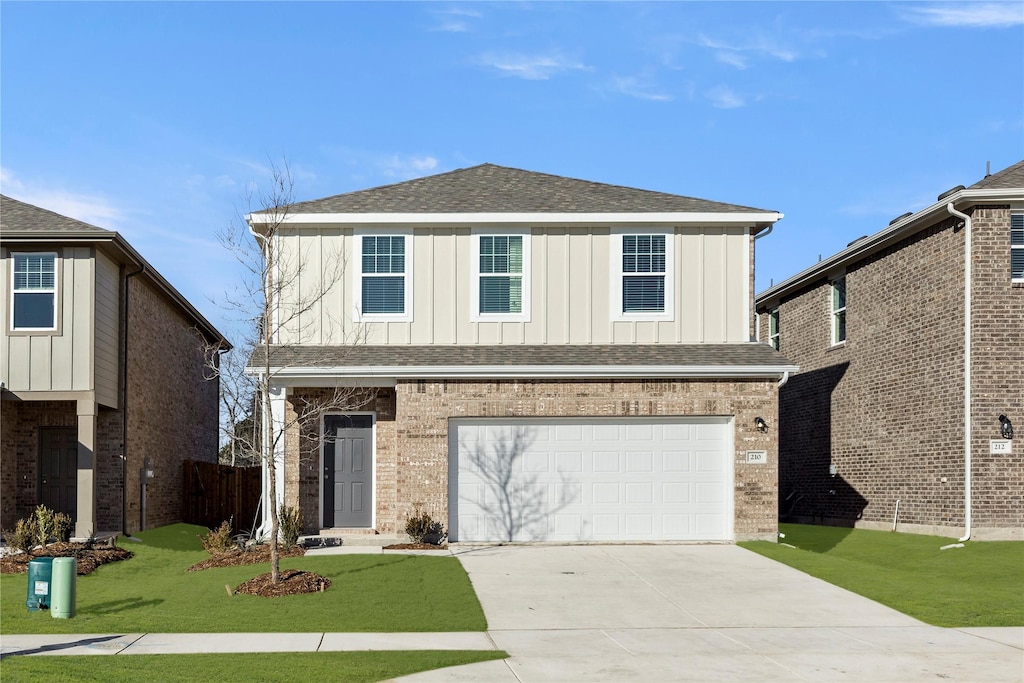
(219,540)
(425,532)
(292,582)
(46,533)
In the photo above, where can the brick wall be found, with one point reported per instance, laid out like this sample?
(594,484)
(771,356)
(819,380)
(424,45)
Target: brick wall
(412,435)
(19,476)
(172,407)
(886,407)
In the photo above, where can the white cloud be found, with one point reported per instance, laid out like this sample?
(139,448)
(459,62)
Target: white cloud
(760,45)
(406,167)
(452,26)
(94,209)
(640,88)
(724,97)
(733,59)
(454,20)
(531,67)
(971,15)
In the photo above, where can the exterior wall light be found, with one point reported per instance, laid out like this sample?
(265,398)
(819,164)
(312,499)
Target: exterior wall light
(761,425)
(1005,427)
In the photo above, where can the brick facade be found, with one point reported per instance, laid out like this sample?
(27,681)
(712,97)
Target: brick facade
(886,407)
(411,450)
(172,406)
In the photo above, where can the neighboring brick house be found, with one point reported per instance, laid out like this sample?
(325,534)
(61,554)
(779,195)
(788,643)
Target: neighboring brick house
(102,364)
(545,359)
(875,417)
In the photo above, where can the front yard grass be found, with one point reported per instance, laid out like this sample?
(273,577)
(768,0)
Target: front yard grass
(152,593)
(236,668)
(981,584)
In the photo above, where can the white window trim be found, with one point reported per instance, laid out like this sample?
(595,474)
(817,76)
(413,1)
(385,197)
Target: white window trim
(357,275)
(1015,248)
(474,289)
(615,268)
(833,311)
(55,328)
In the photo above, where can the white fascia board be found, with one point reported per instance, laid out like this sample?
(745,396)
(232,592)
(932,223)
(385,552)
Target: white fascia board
(378,373)
(671,218)
(961,199)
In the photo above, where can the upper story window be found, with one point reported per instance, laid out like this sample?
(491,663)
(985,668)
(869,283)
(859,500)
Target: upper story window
(1017,247)
(34,292)
(773,329)
(642,267)
(839,310)
(501,273)
(384,288)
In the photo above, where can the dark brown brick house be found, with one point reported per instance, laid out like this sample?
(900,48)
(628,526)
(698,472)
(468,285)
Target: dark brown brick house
(889,371)
(102,364)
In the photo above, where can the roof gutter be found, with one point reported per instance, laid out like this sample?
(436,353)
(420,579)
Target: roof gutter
(779,372)
(759,218)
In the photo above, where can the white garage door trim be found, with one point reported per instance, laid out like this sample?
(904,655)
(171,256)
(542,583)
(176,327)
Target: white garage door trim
(591,479)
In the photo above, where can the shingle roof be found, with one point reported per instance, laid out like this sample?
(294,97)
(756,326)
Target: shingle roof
(623,355)
(1012,176)
(488,188)
(16,216)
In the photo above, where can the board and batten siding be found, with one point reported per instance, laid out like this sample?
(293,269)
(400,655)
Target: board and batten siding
(61,360)
(570,290)
(108,297)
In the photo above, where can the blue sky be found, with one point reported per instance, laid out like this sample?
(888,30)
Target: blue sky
(153,119)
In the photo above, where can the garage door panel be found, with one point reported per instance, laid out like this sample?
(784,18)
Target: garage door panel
(583,479)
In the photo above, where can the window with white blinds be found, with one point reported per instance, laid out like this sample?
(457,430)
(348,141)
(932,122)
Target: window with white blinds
(501,274)
(1017,247)
(34,292)
(643,273)
(383,276)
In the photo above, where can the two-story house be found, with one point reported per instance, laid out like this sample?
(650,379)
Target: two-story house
(104,375)
(544,358)
(911,351)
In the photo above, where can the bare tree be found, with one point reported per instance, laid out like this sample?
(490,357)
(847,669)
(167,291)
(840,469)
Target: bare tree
(279,303)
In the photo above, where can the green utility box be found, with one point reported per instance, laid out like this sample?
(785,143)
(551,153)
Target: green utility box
(39,572)
(62,587)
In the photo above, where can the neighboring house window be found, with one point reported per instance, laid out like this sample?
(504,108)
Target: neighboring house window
(642,267)
(773,329)
(839,310)
(383,290)
(1017,247)
(34,292)
(501,271)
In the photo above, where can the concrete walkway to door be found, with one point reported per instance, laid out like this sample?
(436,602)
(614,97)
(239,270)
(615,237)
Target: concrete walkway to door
(703,613)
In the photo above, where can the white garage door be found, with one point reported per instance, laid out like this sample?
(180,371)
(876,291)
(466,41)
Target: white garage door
(617,479)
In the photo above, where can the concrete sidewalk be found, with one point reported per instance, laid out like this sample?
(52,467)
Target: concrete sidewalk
(196,643)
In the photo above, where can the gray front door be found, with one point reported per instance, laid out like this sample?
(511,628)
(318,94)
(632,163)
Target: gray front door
(348,471)
(58,469)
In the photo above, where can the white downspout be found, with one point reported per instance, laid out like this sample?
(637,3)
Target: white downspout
(967,370)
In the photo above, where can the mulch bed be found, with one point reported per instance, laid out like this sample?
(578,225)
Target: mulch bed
(87,557)
(236,558)
(416,546)
(292,582)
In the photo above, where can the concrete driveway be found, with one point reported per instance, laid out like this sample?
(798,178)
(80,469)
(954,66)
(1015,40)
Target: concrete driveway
(703,613)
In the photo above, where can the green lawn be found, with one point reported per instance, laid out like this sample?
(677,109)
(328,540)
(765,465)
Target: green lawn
(981,584)
(267,667)
(152,593)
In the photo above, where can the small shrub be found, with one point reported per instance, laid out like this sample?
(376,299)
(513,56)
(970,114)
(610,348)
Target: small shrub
(291,524)
(23,537)
(422,528)
(44,525)
(62,526)
(219,540)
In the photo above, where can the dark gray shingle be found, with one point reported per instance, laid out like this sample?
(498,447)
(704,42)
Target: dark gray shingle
(17,216)
(1012,176)
(488,188)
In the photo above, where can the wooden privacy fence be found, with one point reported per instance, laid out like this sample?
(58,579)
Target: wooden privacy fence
(214,493)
